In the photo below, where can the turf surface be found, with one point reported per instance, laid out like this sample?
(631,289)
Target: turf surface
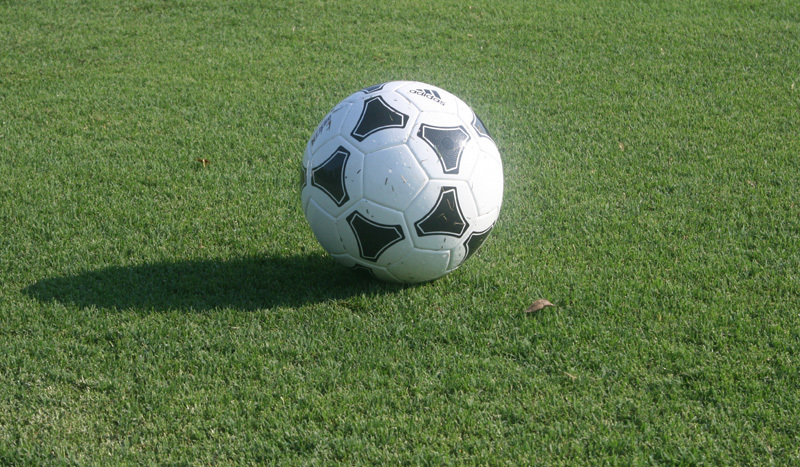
(155,310)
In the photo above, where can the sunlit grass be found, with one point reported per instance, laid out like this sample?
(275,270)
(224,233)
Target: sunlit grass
(154,309)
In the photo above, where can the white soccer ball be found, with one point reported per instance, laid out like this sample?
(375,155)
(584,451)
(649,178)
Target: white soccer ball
(403,180)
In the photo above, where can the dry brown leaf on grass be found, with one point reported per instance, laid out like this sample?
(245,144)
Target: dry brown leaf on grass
(538,305)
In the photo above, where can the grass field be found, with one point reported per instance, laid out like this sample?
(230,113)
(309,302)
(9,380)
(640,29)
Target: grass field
(153,310)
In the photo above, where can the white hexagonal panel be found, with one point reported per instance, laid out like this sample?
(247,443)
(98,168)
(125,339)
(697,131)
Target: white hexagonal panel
(487,184)
(393,177)
(420,266)
(329,127)
(490,149)
(324,228)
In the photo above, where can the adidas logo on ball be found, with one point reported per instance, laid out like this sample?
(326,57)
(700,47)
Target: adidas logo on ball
(431,94)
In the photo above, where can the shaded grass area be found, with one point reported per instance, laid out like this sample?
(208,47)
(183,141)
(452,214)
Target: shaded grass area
(155,310)
(244,284)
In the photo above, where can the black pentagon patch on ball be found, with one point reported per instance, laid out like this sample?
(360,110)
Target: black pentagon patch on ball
(373,238)
(445,218)
(475,240)
(448,143)
(479,127)
(375,116)
(329,176)
(373,88)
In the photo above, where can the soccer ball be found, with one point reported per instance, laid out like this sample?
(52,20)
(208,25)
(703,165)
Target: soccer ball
(402,179)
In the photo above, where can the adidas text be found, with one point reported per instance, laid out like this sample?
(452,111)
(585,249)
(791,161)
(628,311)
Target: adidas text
(430,94)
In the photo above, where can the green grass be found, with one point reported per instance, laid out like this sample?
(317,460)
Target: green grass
(155,311)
